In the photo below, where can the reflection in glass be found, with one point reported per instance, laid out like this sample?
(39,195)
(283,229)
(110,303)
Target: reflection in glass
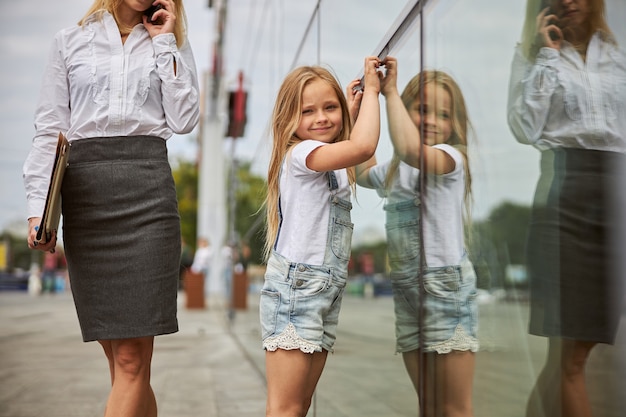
(567,98)
(433,280)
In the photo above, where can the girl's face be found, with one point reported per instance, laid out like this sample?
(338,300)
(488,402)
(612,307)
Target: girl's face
(321,117)
(435,114)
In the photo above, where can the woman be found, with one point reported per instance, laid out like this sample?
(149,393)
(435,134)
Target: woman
(118,85)
(567,99)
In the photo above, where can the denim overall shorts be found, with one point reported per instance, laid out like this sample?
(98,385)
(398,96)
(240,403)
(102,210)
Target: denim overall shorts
(448,294)
(299,304)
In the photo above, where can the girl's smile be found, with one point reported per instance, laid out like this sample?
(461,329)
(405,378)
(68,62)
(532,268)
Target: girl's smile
(321,117)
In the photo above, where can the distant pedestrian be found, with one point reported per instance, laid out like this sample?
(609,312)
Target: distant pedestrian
(309,229)
(118,85)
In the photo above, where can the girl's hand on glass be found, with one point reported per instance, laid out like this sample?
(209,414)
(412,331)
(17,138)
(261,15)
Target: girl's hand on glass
(354,96)
(163,20)
(549,34)
(389,83)
(372,75)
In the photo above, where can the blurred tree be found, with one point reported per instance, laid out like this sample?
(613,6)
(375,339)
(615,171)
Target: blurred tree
(498,241)
(249,217)
(249,195)
(186,178)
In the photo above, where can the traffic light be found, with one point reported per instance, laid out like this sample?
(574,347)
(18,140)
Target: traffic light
(237,111)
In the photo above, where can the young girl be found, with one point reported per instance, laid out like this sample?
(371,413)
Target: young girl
(309,230)
(436,316)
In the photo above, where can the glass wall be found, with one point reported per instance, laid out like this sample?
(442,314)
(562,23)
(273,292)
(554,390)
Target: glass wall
(573,255)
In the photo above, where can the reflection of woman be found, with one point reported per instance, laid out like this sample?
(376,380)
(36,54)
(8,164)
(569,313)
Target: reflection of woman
(118,86)
(567,98)
(441,343)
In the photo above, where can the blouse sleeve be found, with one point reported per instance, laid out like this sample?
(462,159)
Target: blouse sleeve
(530,89)
(179,83)
(52,115)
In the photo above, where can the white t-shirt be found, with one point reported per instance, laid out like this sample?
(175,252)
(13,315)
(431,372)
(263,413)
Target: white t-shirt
(441,205)
(305,206)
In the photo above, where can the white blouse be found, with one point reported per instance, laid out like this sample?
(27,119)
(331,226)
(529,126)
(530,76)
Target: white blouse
(562,101)
(95,86)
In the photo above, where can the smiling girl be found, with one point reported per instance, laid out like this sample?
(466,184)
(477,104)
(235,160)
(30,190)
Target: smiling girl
(433,281)
(309,231)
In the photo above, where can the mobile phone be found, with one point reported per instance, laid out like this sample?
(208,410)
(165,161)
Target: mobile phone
(151,10)
(551,11)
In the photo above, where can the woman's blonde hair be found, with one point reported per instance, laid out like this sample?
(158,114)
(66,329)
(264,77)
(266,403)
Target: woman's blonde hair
(460,122)
(112,6)
(284,122)
(595,23)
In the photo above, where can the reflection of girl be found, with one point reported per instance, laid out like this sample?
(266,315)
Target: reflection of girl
(118,86)
(568,99)
(309,229)
(448,326)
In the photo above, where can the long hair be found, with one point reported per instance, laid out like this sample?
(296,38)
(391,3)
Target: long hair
(284,122)
(112,6)
(595,23)
(460,122)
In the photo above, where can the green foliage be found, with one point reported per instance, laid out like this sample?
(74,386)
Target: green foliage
(249,197)
(186,179)
(499,241)
(249,216)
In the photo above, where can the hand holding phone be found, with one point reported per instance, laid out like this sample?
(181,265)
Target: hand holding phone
(151,11)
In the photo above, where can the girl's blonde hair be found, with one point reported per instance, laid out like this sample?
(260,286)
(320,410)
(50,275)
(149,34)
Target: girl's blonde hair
(285,120)
(112,6)
(595,23)
(460,122)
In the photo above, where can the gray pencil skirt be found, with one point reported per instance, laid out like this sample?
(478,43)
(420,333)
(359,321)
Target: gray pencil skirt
(121,235)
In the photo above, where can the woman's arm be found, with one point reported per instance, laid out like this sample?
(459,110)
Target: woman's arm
(363,172)
(179,86)
(531,87)
(52,115)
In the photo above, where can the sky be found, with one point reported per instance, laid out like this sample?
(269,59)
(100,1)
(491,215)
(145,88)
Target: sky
(472,40)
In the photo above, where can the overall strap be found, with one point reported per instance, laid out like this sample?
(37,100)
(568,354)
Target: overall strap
(333,185)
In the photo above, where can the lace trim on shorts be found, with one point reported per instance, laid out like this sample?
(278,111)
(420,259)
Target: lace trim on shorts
(459,341)
(289,340)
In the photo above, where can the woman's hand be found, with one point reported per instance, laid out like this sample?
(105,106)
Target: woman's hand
(549,34)
(33,225)
(163,20)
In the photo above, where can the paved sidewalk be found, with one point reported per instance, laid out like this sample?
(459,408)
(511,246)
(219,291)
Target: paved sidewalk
(214,367)
(47,371)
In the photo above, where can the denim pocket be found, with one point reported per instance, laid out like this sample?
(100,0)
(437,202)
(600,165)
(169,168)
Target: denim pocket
(342,238)
(268,311)
(403,240)
(442,282)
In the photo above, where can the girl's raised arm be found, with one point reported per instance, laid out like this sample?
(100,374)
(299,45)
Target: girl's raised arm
(405,134)
(365,134)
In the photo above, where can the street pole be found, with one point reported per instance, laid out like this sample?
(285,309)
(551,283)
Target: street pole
(211,217)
